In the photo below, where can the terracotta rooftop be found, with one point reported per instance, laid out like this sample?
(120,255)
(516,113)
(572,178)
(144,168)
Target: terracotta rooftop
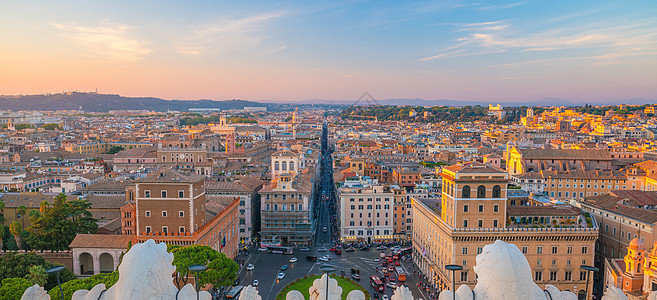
(570,154)
(102,241)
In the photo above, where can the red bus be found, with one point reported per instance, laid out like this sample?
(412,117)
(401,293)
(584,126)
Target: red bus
(377,284)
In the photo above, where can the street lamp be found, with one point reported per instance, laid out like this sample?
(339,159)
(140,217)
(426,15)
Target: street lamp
(56,271)
(327,269)
(588,270)
(454,268)
(197,269)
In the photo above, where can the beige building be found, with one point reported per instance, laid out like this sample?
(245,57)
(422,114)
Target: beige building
(366,211)
(622,216)
(533,160)
(473,212)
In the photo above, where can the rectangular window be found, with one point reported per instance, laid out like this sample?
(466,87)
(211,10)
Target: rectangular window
(147,194)
(465,223)
(181,194)
(496,208)
(582,275)
(569,250)
(568,275)
(481,208)
(164,194)
(464,276)
(148,229)
(554,249)
(148,213)
(585,250)
(538,276)
(164,213)
(539,250)
(181,229)
(524,249)
(165,229)
(553,275)
(464,250)
(465,208)
(479,250)
(481,223)
(181,213)
(495,223)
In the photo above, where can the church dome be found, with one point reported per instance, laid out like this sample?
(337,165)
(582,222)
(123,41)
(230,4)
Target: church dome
(636,244)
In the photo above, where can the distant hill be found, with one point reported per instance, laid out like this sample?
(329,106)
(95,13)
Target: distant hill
(93,102)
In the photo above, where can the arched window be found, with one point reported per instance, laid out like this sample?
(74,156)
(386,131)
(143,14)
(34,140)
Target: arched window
(466,192)
(481,192)
(284,166)
(497,191)
(291,165)
(276,166)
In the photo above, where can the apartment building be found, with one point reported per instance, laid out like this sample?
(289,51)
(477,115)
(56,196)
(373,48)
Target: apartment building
(622,216)
(472,212)
(171,207)
(366,210)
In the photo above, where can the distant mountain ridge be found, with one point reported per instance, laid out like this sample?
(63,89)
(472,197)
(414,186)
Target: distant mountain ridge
(93,102)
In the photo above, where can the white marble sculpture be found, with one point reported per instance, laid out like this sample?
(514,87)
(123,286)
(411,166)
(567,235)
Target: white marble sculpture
(35,292)
(504,273)
(144,273)
(614,293)
(250,293)
(318,289)
(402,293)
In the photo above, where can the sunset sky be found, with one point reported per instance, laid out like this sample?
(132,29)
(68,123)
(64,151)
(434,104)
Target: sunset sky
(298,50)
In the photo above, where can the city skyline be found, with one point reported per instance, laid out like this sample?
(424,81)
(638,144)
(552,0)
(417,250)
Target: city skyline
(289,51)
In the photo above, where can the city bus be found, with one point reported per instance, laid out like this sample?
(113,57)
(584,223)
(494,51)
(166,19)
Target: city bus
(234,293)
(401,276)
(377,284)
(279,250)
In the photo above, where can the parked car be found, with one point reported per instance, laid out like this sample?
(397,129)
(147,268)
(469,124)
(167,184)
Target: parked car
(262,249)
(350,249)
(304,249)
(256,282)
(250,267)
(385,297)
(338,252)
(323,258)
(391,285)
(284,267)
(355,271)
(293,259)
(332,249)
(324,229)
(381,247)
(355,276)
(321,249)
(281,275)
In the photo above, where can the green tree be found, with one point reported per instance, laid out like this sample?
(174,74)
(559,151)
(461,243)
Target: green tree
(108,279)
(51,126)
(2,213)
(115,150)
(13,288)
(22,126)
(18,264)
(22,211)
(2,237)
(56,227)
(37,275)
(16,230)
(221,271)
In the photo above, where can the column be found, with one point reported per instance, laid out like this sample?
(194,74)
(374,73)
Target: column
(96,260)
(76,263)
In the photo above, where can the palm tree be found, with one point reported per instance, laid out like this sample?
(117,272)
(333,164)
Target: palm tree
(2,213)
(37,275)
(22,210)
(15,228)
(2,237)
